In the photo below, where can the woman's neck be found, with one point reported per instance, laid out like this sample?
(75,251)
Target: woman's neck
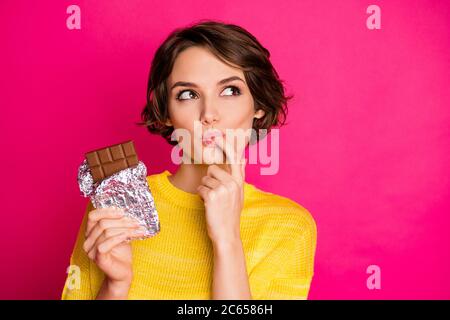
(188,176)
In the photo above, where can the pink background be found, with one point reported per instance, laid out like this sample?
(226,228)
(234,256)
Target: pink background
(366,150)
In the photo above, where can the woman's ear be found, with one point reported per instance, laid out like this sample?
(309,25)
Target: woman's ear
(168,123)
(259,114)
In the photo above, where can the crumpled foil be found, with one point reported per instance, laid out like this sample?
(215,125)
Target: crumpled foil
(127,189)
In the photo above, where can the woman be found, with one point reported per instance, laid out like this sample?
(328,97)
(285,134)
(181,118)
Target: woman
(220,238)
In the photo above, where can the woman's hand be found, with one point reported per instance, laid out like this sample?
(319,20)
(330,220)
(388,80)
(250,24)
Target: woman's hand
(107,234)
(223,195)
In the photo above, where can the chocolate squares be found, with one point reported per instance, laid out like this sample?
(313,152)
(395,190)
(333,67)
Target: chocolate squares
(109,160)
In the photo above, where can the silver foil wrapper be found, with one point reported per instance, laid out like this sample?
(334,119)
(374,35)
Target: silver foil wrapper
(127,189)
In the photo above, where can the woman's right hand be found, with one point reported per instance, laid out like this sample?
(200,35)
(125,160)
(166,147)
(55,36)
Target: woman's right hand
(107,233)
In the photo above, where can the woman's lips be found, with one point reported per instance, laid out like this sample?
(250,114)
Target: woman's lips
(209,143)
(209,136)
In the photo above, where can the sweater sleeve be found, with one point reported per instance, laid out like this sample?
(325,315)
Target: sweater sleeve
(290,270)
(77,285)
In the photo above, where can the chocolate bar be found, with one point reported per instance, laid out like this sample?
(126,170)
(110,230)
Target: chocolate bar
(106,161)
(127,189)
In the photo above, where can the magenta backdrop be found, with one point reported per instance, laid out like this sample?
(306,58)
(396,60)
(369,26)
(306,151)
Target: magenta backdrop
(366,150)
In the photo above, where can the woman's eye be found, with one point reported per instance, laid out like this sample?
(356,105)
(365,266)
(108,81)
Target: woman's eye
(235,89)
(188,94)
(184,95)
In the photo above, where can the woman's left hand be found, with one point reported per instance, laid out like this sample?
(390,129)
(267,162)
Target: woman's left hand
(223,195)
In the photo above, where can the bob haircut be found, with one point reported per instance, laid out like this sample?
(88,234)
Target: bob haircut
(232,45)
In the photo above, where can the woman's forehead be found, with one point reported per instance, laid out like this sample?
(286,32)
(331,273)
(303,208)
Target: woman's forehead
(200,66)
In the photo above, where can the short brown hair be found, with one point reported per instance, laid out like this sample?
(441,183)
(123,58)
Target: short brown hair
(231,44)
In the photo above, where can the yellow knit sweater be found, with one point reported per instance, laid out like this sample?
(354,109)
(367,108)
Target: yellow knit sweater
(278,236)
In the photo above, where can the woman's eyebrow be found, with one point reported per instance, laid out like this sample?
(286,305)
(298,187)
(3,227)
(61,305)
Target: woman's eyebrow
(191,84)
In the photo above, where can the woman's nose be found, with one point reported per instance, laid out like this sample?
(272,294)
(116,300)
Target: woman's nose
(209,116)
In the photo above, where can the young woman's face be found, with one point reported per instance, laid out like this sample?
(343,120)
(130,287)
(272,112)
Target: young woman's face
(199,93)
